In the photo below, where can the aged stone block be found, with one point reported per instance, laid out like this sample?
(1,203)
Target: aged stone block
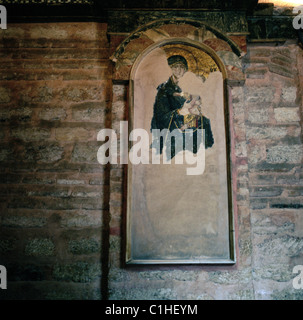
(23,221)
(84,91)
(50,31)
(119,275)
(96,182)
(70,181)
(276,272)
(258,116)
(39,247)
(284,154)
(129,293)
(221,277)
(287,114)
(244,294)
(49,191)
(38,179)
(85,152)
(287,294)
(260,94)
(269,223)
(8,245)
(77,272)
(90,111)
(295,192)
(93,204)
(256,204)
(6,153)
(240,149)
(289,94)
(179,275)
(280,249)
(43,203)
(5,95)
(30,134)
(256,154)
(84,246)
(85,192)
(52,114)
(265,192)
(119,93)
(43,153)
(81,219)
(44,94)
(290,180)
(73,134)
(273,133)
(19,114)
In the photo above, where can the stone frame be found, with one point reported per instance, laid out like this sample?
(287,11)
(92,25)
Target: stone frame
(125,58)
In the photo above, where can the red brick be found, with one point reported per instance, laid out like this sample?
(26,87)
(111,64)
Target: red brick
(218,44)
(178,30)
(240,41)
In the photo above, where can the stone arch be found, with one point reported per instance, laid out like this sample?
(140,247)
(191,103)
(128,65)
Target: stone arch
(208,50)
(228,50)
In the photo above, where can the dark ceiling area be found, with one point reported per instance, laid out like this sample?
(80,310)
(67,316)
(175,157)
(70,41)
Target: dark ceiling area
(97,9)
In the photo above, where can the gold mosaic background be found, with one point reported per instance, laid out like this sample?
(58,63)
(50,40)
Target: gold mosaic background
(199,62)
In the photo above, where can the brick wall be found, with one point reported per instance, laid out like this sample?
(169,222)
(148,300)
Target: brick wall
(54,95)
(61,211)
(266,132)
(274,149)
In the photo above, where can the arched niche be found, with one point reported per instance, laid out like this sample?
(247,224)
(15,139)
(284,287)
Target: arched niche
(229,49)
(172,215)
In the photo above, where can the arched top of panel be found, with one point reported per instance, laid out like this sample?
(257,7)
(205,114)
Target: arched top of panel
(200,59)
(194,33)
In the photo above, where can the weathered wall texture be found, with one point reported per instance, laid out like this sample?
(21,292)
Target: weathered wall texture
(61,211)
(273,120)
(54,93)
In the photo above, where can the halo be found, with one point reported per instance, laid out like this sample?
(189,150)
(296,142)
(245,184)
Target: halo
(199,62)
(172,50)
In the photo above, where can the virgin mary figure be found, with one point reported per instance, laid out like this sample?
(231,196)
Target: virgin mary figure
(181,112)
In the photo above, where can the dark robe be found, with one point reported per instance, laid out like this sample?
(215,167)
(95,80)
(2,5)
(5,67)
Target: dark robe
(166,116)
